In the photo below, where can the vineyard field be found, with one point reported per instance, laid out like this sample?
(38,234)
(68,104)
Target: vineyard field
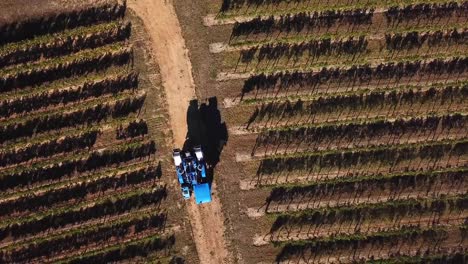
(332,131)
(84,175)
(347,127)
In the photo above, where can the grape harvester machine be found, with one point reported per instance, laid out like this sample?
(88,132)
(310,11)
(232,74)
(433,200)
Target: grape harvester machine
(191,173)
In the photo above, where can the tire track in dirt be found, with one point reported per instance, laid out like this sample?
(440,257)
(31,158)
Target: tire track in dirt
(168,47)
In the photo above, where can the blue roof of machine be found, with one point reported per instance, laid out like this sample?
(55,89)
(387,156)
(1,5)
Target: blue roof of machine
(202,193)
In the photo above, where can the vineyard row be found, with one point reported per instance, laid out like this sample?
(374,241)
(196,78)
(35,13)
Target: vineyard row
(35,201)
(50,24)
(84,211)
(70,165)
(360,101)
(347,158)
(306,21)
(90,89)
(63,44)
(432,236)
(390,210)
(85,61)
(75,240)
(393,182)
(362,131)
(326,46)
(357,74)
(28,126)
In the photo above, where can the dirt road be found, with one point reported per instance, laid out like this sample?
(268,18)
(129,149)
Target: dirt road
(168,47)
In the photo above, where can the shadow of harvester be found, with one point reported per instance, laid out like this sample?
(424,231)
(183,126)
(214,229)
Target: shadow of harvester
(205,129)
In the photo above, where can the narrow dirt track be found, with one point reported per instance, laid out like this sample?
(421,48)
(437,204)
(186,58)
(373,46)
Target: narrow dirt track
(168,47)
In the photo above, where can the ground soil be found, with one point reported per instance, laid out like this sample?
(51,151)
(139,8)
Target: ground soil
(172,57)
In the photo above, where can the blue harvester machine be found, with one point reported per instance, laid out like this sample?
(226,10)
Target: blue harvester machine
(191,172)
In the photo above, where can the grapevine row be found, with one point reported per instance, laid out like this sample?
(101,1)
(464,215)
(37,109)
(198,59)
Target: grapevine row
(415,39)
(446,258)
(361,101)
(364,212)
(361,131)
(133,129)
(63,44)
(347,158)
(324,246)
(134,248)
(46,25)
(393,183)
(356,74)
(306,21)
(49,148)
(37,189)
(21,76)
(353,45)
(83,91)
(231,5)
(79,238)
(110,205)
(102,127)
(32,202)
(57,120)
(398,14)
(313,48)
(302,21)
(71,165)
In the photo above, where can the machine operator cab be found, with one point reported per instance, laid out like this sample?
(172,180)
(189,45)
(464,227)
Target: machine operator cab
(191,173)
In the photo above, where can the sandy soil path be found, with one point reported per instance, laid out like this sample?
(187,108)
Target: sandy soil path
(169,49)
